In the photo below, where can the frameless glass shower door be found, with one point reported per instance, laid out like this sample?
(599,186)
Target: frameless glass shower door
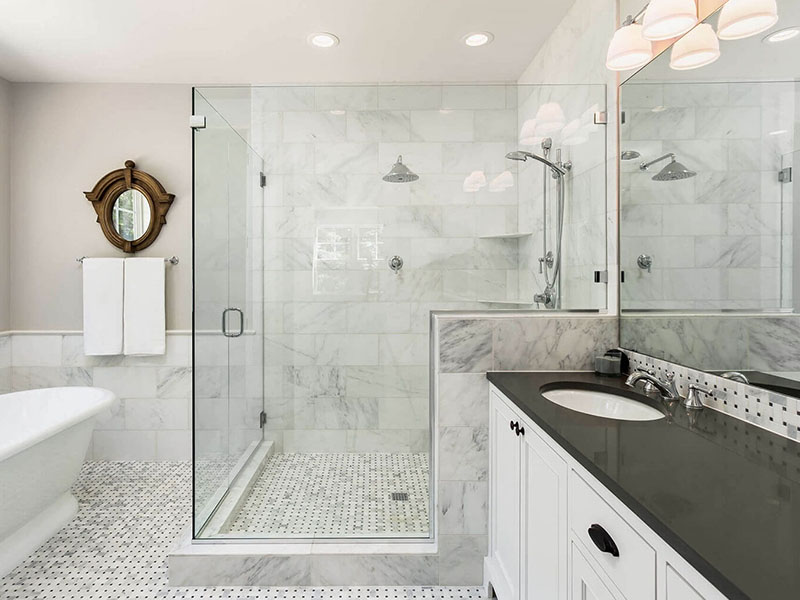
(228,365)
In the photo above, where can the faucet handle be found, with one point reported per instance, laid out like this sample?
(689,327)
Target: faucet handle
(692,400)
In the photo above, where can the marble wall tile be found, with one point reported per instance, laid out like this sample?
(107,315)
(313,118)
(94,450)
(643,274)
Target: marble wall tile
(442,126)
(461,559)
(359,97)
(367,569)
(463,453)
(462,399)
(36,350)
(465,346)
(258,570)
(463,507)
(552,344)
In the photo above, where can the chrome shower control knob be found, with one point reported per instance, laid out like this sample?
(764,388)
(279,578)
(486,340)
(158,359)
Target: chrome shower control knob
(645,261)
(396,263)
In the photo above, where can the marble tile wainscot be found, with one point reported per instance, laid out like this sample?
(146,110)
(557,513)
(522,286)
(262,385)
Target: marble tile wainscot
(465,346)
(151,421)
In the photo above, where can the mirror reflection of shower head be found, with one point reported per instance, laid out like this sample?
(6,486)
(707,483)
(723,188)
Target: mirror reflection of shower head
(400,173)
(674,171)
(629,154)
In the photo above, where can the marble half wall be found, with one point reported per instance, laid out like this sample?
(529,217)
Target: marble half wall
(466,346)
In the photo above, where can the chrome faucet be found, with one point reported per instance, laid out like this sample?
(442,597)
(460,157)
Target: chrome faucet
(735,376)
(667,388)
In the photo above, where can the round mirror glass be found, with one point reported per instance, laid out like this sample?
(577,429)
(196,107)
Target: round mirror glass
(131,215)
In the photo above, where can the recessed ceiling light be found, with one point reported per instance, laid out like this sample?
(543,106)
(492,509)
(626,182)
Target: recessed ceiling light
(478,38)
(323,40)
(782,35)
(338,112)
(779,132)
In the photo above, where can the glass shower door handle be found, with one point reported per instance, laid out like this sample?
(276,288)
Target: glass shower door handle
(225,331)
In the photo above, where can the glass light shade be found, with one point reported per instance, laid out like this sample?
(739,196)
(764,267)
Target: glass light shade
(742,18)
(528,135)
(667,19)
(502,182)
(698,48)
(628,49)
(474,181)
(549,118)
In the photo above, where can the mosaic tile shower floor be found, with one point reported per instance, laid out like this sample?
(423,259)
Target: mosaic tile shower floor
(338,495)
(129,517)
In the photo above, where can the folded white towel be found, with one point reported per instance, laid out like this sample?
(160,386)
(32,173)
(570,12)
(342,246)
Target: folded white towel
(102,306)
(145,320)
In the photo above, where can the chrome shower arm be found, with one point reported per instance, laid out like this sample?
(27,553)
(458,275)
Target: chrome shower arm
(646,165)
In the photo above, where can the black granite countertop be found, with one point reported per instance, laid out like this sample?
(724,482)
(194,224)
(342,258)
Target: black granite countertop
(723,493)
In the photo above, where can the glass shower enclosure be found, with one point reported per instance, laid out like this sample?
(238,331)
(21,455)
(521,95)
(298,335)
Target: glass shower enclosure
(316,273)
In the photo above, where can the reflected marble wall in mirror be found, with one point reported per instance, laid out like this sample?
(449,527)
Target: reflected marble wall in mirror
(707,233)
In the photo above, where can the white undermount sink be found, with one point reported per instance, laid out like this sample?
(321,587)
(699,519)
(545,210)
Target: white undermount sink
(602,404)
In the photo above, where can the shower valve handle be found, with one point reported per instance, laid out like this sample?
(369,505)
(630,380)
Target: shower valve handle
(541,264)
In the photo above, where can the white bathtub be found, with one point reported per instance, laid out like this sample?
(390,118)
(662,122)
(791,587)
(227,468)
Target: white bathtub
(44,435)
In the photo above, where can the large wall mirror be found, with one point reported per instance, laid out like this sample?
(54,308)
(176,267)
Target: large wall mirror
(709,208)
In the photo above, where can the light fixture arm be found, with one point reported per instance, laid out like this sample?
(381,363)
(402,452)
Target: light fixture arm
(646,165)
(629,20)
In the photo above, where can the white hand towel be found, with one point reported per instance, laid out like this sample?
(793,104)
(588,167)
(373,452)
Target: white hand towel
(102,306)
(145,321)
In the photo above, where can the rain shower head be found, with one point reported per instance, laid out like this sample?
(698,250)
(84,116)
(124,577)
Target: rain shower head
(629,154)
(400,173)
(674,171)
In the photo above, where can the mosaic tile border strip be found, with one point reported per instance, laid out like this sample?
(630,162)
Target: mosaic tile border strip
(774,412)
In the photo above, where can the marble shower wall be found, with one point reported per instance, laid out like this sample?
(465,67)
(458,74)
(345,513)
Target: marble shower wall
(151,420)
(467,346)
(346,339)
(722,239)
(583,143)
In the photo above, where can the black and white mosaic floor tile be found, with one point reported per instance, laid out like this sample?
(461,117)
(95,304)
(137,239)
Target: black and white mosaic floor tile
(129,518)
(338,495)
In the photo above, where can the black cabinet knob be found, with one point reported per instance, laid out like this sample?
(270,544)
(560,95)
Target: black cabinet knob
(521,431)
(512,425)
(602,540)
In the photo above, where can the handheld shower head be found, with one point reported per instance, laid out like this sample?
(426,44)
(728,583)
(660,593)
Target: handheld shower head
(522,155)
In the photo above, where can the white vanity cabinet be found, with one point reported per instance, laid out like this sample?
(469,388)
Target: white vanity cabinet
(556,533)
(528,538)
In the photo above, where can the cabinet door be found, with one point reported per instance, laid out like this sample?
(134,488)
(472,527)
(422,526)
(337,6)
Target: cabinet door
(505,497)
(585,583)
(544,514)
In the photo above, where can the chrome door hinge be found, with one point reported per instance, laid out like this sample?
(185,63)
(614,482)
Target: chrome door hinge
(262,419)
(785,175)
(262,179)
(601,276)
(197,122)
(601,118)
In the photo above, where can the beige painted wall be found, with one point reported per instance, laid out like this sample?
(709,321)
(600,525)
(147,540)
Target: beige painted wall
(64,138)
(5,246)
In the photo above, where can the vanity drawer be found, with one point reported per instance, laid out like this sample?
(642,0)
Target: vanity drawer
(633,572)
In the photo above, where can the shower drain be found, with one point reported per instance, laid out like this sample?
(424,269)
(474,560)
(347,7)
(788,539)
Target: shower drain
(399,496)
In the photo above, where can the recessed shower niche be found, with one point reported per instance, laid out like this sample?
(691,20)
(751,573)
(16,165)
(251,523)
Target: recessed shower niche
(329,222)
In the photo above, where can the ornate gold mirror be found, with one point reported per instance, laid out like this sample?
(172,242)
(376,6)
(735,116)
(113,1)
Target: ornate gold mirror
(131,207)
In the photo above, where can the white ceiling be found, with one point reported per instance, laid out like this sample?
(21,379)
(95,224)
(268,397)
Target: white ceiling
(264,41)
